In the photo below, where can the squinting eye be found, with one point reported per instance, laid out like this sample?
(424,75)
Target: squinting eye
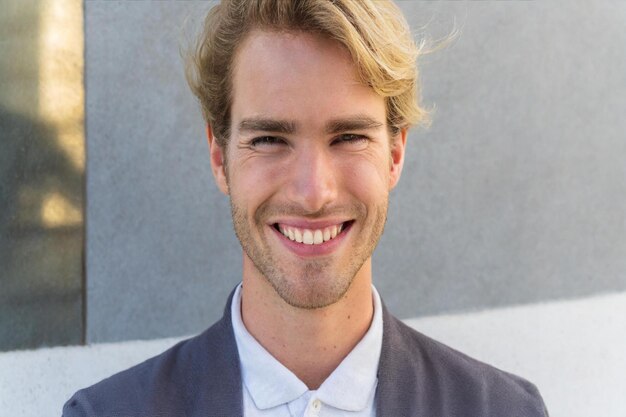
(265,140)
(350,138)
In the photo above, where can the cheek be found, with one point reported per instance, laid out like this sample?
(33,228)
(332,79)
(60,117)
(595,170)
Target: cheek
(367,177)
(251,182)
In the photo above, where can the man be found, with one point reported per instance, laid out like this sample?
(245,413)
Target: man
(307,104)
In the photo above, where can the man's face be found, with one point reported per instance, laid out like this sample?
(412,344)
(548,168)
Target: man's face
(310,163)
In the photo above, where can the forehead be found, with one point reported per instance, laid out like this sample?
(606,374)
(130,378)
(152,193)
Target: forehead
(298,76)
(283,53)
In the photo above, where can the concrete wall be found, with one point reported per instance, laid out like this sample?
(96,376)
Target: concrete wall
(573,351)
(161,257)
(516,194)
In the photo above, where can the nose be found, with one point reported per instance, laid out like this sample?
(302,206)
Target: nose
(313,182)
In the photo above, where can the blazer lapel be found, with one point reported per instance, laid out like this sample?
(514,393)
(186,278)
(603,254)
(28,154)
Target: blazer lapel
(399,386)
(218,371)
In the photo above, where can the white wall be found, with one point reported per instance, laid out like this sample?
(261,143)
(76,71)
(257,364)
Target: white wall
(572,350)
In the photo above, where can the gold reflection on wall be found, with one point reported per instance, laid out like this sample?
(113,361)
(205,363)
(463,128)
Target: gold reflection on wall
(61,94)
(58,211)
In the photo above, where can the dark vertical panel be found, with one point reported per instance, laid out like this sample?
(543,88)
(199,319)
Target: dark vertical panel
(41,173)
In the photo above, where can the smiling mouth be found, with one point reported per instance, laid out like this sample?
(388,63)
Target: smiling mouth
(312,236)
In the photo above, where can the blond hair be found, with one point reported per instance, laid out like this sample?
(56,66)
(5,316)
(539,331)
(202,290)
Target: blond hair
(374,32)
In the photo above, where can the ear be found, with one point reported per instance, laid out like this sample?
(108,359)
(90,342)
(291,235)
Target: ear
(218,158)
(398,145)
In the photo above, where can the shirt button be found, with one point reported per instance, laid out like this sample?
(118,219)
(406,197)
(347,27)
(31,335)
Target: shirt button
(316,405)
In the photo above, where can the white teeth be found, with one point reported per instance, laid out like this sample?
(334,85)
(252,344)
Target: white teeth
(311,237)
(318,237)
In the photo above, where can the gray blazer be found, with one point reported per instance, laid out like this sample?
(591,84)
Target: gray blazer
(417,376)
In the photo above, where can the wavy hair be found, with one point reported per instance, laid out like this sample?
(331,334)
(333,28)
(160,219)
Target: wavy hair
(374,32)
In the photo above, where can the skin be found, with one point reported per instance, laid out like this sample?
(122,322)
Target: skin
(309,148)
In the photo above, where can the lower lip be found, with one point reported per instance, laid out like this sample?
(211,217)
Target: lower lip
(310,251)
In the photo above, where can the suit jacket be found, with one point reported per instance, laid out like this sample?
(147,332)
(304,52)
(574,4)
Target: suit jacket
(417,377)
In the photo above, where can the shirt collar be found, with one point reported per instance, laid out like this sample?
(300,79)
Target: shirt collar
(267,380)
(350,387)
(352,384)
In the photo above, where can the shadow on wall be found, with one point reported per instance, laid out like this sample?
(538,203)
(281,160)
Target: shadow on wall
(41,236)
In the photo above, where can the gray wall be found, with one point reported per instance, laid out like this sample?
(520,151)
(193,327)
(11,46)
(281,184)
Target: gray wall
(516,194)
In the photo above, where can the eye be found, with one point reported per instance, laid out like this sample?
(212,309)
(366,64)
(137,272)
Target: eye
(351,139)
(263,141)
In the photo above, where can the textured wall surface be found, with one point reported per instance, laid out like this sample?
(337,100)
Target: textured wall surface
(515,194)
(161,256)
(518,190)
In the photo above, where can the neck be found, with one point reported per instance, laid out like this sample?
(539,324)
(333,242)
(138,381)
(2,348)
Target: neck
(311,343)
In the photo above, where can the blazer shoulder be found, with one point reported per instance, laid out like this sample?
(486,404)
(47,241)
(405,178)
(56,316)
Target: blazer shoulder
(167,384)
(457,381)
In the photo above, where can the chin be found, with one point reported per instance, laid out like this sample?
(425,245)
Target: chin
(314,288)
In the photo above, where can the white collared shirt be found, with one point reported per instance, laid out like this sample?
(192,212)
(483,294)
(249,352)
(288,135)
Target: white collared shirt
(270,389)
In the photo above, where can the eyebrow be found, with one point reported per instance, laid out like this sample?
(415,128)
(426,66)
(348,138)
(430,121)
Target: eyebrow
(359,122)
(267,125)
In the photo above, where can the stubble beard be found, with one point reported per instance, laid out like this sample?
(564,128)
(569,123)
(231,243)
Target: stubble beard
(314,287)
